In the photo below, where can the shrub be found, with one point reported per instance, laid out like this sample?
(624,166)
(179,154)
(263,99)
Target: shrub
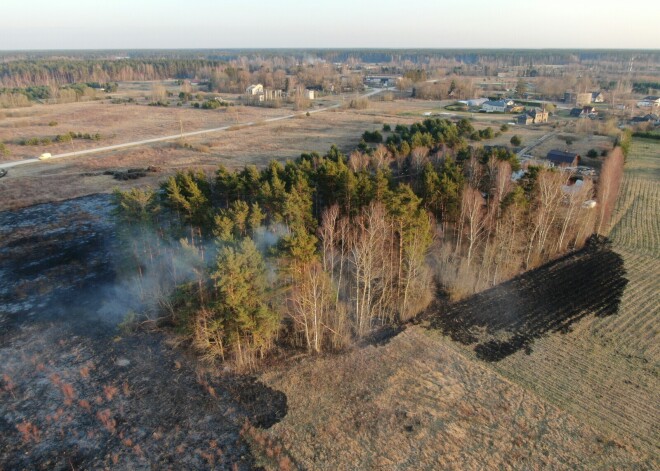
(211,105)
(593,153)
(373,136)
(516,141)
(504,127)
(387,128)
(32,141)
(4,150)
(52,123)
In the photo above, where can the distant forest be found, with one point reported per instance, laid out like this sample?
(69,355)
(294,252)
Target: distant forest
(25,68)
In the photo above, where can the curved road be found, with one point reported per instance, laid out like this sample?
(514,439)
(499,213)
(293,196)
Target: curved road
(176,136)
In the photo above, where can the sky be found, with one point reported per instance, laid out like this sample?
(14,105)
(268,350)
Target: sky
(165,24)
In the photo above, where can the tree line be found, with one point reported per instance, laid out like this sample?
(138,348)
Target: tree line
(317,252)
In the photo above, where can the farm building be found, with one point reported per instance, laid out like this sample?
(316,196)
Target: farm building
(499,106)
(563,159)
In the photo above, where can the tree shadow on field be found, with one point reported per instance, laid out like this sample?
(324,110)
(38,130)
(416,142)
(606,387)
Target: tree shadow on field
(549,299)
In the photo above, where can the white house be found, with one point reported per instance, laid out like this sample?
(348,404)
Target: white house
(499,106)
(474,101)
(649,101)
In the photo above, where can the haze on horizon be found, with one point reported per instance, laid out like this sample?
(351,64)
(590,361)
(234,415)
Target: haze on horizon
(164,24)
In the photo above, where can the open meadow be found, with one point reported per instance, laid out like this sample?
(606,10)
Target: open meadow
(238,146)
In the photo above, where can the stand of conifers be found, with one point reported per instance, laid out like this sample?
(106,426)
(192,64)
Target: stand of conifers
(318,252)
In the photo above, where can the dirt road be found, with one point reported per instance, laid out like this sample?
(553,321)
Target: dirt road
(178,136)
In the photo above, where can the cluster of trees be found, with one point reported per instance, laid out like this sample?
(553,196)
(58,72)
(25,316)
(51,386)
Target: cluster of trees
(318,251)
(25,96)
(67,137)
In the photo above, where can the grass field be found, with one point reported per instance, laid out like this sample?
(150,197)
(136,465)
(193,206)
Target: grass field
(417,403)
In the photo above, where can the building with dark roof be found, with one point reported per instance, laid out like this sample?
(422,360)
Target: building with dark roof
(563,159)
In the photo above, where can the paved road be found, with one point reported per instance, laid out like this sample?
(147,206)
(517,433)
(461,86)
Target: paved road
(175,136)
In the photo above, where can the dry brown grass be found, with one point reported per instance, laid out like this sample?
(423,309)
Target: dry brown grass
(417,403)
(61,179)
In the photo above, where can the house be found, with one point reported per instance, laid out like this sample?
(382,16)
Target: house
(474,101)
(535,116)
(499,106)
(309,94)
(649,102)
(584,112)
(583,99)
(255,89)
(597,97)
(563,159)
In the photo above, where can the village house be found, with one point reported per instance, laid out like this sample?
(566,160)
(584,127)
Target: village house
(597,97)
(649,102)
(535,116)
(474,102)
(584,112)
(499,106)
(563,159)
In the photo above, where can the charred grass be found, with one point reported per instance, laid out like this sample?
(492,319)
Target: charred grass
(604,367)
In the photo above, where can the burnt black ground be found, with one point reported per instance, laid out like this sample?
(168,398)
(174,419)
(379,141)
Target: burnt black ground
(548,300)
(62,356)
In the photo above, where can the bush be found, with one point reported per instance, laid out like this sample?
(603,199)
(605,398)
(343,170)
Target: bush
(211,105)
(387,128)
(516,141)
(375,137)
(52,123)
(504,127)
(4,150)
(593,153)
(32,141)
